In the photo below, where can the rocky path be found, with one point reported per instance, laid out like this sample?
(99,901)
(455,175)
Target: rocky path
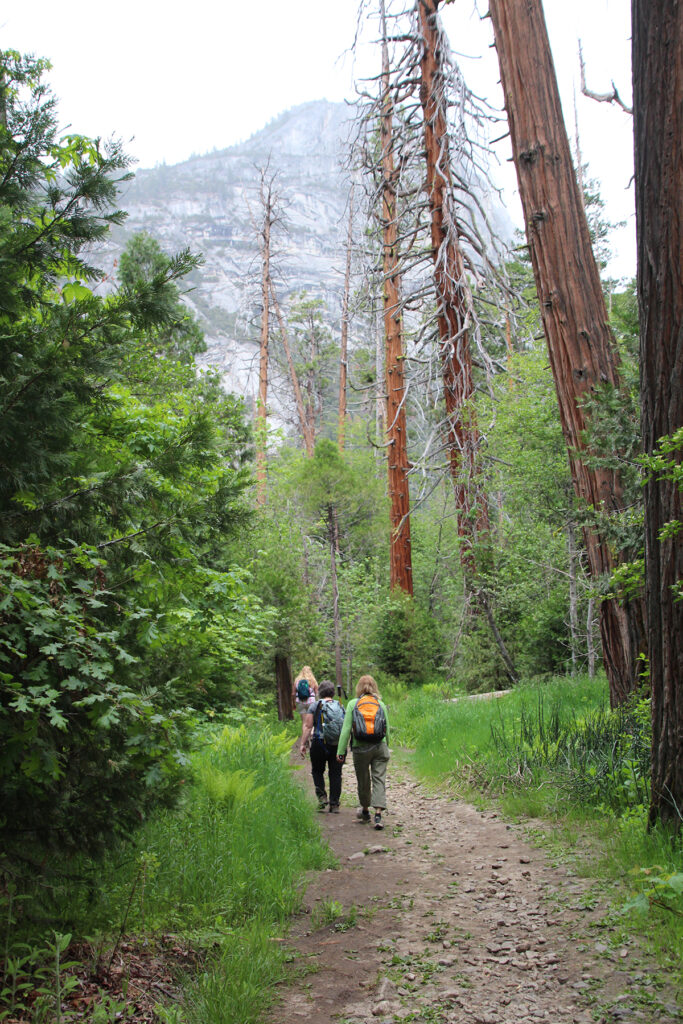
(449,916)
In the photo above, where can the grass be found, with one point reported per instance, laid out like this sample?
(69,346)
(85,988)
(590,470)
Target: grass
(221,872)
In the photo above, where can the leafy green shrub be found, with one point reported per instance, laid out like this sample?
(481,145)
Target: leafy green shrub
(408,643)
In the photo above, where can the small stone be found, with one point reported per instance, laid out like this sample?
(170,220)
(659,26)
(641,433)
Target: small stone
(357,856)
(525,860)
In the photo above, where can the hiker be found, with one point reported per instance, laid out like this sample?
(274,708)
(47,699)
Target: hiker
(367,725)
(304,692)
(323,725)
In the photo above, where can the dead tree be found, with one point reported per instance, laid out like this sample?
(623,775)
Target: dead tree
(397,448)
(307,434)
(579,338)
(454,313)
(344,339)
(658,135)
(269,215)
(454,302)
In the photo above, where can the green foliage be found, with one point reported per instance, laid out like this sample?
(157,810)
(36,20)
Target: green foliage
(123,475)
(206,869)
(407,642)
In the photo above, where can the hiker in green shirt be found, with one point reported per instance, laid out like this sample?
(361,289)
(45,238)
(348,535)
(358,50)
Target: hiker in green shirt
(366,723)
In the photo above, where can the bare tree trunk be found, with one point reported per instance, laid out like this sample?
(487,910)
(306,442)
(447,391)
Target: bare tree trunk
(397,449)
(333,534)
(344,341)
(454,300)
(573,596)
(590,639)
(268,217)
(296,387)
(283,678)
(658,136)
(580,343)
(497,636)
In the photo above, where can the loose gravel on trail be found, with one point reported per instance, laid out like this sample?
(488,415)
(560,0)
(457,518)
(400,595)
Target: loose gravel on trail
(449,916)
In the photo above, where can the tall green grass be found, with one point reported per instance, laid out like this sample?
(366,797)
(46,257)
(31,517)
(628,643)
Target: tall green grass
(223,871)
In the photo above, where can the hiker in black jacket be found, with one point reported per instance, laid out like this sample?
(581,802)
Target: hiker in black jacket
(322,725)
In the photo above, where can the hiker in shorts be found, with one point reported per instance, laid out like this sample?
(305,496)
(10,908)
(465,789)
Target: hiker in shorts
(304,692)
(322,725)
(366,724)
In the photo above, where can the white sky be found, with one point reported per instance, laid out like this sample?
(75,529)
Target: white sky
(173,79)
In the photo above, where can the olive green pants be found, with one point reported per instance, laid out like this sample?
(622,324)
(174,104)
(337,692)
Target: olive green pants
(370,765)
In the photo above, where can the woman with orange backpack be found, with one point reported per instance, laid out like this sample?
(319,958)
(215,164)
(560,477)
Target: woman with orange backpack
(367,725)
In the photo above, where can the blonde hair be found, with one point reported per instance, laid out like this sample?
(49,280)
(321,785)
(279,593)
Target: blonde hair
(307,674)
(366,684)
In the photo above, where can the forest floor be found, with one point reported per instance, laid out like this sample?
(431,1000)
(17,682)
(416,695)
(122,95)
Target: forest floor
(453,915)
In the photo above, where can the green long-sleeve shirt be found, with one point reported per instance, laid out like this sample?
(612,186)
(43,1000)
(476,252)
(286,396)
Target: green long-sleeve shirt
(345,734)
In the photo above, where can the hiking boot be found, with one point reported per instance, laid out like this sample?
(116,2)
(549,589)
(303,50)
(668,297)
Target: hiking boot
(362,814)
(334,808)
(322,804)
(378,820)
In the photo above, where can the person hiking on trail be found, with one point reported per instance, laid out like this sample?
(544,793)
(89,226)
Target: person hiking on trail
(367,725)
(323,724)
(304,692)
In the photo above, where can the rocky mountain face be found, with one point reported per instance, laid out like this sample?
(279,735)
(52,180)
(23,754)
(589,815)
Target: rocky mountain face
(211,204)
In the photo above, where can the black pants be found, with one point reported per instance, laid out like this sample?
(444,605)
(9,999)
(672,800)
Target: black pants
(322,756)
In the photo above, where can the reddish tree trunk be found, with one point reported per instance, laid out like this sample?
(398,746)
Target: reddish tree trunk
(580,343)
(658,136)
(453,298)
(397,449)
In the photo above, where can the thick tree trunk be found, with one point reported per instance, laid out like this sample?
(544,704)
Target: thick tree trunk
(658,135)
(580,343)
(397,436)
(283,679)
(344,341)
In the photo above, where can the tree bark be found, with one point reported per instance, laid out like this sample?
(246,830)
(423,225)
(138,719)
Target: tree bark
(657,28)
(283,679)
(397,448)
(580,343)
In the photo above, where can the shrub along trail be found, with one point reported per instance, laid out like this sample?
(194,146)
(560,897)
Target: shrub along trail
(457,919)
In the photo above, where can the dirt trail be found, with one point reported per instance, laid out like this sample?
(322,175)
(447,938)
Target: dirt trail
(457,919)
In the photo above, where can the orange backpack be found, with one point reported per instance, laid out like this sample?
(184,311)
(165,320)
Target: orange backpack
(368,723)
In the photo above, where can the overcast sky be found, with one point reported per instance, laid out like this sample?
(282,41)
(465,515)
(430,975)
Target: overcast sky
(173,79)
